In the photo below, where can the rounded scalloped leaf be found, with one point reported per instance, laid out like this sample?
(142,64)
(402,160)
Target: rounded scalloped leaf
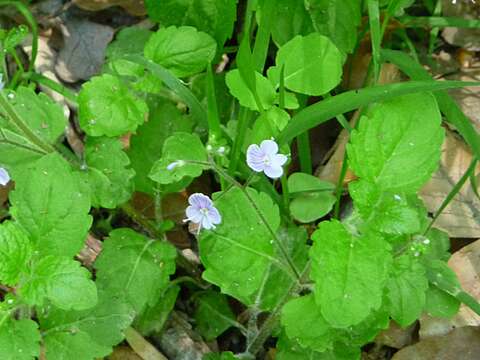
(107,107)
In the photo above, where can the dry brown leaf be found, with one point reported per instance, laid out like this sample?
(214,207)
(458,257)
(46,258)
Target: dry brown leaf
(123,353)
(83,52)
(460,344)
(468,98)
(466,264)
(461,218)
(396,336)
(133,7)
(466,38)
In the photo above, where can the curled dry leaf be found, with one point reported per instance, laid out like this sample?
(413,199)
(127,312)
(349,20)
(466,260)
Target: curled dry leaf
(468,98)
(467,38)
(133,7)
(83,52)
(460,344)
(466,264)
(461,218)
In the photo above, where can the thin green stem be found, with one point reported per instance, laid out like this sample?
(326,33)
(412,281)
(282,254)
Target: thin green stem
(262,38)
(285,192)
(58,88)
(375,35)
(214,129)
(243,122)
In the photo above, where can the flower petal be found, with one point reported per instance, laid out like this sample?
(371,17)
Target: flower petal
(207,223)
(4,177)
(273,172)
(214,215)
(269,147)
(279,160)
(255,158)
(199,200)
(193,214)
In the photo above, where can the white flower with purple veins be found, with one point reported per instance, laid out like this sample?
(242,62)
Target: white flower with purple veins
(202,212)
(266,158)
(4,177)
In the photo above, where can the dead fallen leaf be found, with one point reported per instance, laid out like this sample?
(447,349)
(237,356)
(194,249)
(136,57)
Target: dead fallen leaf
(461,218)
(468,98)
(460,344)
(466,264)
(133,7)
(45,65)
(90,251)
(396,336)
(83,52)
(123,353)
(467,38)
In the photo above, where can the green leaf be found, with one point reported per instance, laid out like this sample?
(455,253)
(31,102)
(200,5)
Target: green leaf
(45,118)
(440,304)
(397,145)
(269,124)
(108,173)
(108,107)
(239,89)
(16,150)
(213,315)
(440,275)
(396,7)
(313,65)
(226,355)
(311,331)
(337,19)
(183,50)
(135,267)
(386,212)
(136,75)
(164,120)
(349,273)
(406,290)
(291,19)
(85,335)
(178,150)
(50,204)
(153,318)
(130,40)
(215,17)
(278,283)
(290,350)
(437,245)
(19,340)
(312,197)
(62,281)
(240,250)
(15,251)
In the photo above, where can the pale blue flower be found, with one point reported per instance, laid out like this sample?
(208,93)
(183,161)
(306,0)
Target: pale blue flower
(265,158)
(4,177)
(202,212)
(2,84)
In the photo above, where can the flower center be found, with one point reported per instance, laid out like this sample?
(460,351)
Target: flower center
(266,160)
(204,211)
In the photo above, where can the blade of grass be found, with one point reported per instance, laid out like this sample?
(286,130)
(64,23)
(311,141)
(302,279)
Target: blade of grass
(176,85)
(375,35)
(327,109)
(447,105)
(262,38)
(440,22)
